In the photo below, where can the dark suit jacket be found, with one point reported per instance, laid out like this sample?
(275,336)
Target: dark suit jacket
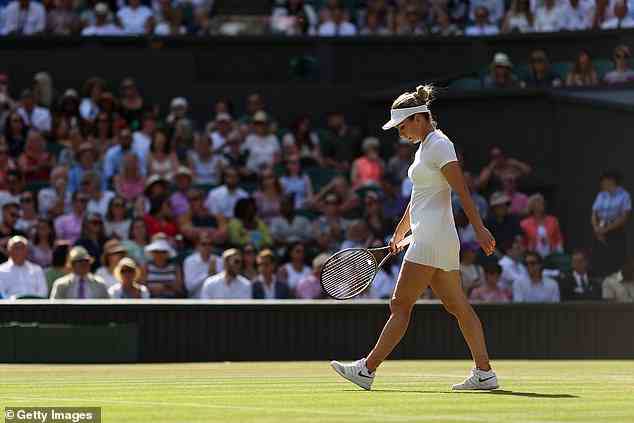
(281,291)
(571,292)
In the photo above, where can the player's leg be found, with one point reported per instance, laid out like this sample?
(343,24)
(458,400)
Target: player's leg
(447,287)
(413,279)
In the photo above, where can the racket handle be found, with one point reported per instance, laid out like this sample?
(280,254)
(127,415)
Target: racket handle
(405,241)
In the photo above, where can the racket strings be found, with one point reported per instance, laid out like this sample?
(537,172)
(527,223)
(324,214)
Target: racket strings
(348,273)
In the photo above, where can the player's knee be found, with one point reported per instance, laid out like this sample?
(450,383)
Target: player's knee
(400,307)
(452,308)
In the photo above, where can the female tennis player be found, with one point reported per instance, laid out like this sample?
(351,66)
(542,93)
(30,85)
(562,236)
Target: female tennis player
(432,259)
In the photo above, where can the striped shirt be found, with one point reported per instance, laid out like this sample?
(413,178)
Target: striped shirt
(609,207)
(161,275)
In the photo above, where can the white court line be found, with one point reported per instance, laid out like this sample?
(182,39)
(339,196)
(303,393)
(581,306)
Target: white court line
(268,409)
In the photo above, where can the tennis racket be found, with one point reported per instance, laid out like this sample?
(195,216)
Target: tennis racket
(349,272)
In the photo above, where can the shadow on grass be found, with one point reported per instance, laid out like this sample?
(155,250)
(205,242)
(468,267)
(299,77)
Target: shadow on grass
(494,392)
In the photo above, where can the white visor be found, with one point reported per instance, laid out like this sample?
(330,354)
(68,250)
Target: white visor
(399,115)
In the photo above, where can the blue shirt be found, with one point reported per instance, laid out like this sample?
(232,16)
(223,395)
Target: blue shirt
(609,207)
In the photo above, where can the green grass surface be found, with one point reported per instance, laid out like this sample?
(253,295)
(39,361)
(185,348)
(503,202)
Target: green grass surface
(408,391)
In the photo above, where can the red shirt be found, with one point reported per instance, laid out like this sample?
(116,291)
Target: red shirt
(155,226)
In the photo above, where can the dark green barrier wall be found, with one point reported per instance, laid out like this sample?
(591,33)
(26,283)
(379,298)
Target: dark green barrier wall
(212,331)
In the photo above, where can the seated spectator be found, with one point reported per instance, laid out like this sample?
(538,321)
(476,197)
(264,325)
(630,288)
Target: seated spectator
(63,19)
(172,25)
(444,27)
(619,287)
(519,200)
(246,227)
(621,19)
(28,213)
(296,183)
(411,21)
(490,291)
(142,138)
(610,213)
(500,166)
(58,266)
(583,74)
(162,158)
(92,237)
(513,268)
(267,284)
(6,164)
(519,18)
(42,247)
(198,266)
(86,160)
(262,146)
(249,265)
(80,283)
(133,17)
(268,196)
(471,273)
(179,124)
(235,157)
(15,131)
(160,219)
(228,284)
(504,226)
(304,139)
(156,187)
(369,168)
(337,24)
(15,188)
(100,199)
(68,226)
(295,269)
(578,15)
(331,223)
(348,200)
(102,27)
(18,276)
(501,73)
(219,130)
(622,72)
(222,200)
(373,26)
(92,90)
(34,116)
(357,235)
(23,17)
(398,164)
(289,227)
(163,277)
(116,223)
(478,200)
(373,215)
(35,162)
(579,285)
(340,143)
(179,202)
(137,240)
(128,275)
(482,25)
(10,216)
(494,7)
(539,73)
(129,183)
(113,252)
(309,287)
(198,218)
(536,288)
(550,17)
(465,230)
(541,230)
(287,12)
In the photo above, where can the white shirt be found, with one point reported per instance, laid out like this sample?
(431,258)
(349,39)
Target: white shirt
(195,271)
(294,276)
(116,291)
(102,30)
(216,287)
(577,18)
(613,23)
(495,8)
(217,140)
(383,285)
(141,143)
(88,109)
(133,20)
(511,271)
(261,150)
(16,280)
(39,118)
(550,20)
(107,277)
(221,201)
(330,29)
(101,206)
(164,29)
(526,291)
(476,30)
(30,21)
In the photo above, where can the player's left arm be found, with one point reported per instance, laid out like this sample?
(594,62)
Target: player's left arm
(453,173)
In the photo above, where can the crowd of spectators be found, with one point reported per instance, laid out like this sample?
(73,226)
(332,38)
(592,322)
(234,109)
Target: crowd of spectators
(101,196)
(316,17)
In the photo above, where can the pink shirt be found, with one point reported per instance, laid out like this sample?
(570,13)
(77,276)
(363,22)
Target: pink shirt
(519,203)
(309,288)
(68,227)
(486,294)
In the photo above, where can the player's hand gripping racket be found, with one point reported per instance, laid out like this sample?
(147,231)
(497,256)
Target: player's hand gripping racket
(349,272)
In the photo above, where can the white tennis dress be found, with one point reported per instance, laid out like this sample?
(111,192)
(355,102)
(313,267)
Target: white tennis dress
(435,241)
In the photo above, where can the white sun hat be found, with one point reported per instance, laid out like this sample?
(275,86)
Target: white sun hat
(397,116)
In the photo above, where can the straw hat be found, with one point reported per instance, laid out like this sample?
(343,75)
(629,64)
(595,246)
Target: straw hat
(127,262)
(78,254)
(160,245)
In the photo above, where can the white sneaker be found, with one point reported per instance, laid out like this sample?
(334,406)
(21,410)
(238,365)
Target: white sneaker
(355,372)
(479,380)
